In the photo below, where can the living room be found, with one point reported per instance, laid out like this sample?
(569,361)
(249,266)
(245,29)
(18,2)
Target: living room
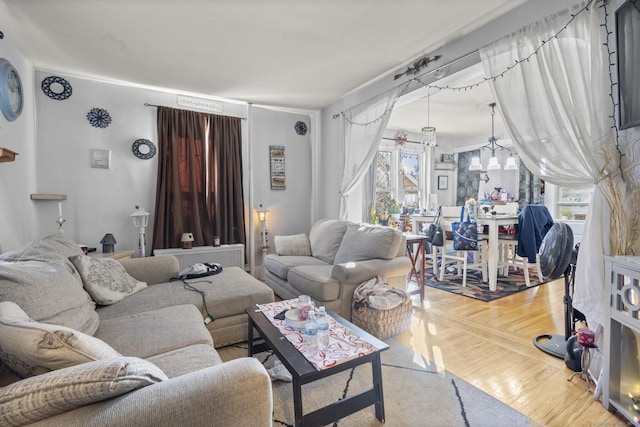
(55,143)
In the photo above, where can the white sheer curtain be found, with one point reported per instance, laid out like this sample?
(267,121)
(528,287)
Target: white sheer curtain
(362,129)
(557,109)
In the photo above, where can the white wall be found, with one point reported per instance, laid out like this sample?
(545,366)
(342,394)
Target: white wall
(100,201)
(290,209)
(17,179)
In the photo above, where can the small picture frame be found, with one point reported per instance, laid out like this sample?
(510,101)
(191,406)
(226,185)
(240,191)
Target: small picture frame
(448,158)
(443,182)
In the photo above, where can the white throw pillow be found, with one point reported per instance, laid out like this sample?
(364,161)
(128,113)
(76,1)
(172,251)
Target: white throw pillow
(106,279)
(294,245)
(31,348)
(56,392)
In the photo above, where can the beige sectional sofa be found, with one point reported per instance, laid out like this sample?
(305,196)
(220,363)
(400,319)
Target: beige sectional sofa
(333,260)
(144,359)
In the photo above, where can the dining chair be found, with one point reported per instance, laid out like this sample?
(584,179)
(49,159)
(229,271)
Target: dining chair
(448,255)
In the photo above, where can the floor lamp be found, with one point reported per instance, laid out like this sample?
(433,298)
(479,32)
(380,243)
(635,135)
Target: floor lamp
(141,220)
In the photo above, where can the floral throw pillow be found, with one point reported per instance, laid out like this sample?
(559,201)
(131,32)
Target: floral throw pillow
(106,279)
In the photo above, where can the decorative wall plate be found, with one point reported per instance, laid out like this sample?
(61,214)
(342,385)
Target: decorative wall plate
(99,118)
(56,88)
(11,95)
(143,149)
(301,128)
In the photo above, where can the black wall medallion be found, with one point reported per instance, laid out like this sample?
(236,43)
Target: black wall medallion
(143,149)
(56,88)
(99,118)
(301,128)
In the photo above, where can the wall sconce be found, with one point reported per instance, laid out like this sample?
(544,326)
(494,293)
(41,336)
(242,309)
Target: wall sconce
(141,220)
(108,243)
(187,240)
(263,214)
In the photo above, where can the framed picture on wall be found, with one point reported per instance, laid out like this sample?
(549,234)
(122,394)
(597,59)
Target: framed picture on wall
(443,182)
(448,158)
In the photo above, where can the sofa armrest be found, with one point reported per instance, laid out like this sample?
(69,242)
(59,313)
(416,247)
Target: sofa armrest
(153,270)
(237,392)
(359,271)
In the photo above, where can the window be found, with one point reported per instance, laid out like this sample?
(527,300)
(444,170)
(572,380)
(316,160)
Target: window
(399,175)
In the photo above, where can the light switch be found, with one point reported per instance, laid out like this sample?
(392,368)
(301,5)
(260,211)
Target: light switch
(100,158)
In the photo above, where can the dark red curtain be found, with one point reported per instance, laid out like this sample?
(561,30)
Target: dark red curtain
(199,186)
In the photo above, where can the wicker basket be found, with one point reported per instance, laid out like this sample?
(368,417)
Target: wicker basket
(384,323)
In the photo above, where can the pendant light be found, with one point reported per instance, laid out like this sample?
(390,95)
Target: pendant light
(428,132)
(494,164)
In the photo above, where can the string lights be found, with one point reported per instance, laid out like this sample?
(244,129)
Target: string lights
(517,62)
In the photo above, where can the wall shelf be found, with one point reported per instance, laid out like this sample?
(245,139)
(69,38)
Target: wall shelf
(48,197)
(7,155)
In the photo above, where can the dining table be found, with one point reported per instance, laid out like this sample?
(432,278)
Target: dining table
(494,222)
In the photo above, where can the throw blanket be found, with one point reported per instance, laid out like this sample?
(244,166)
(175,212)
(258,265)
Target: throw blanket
(376,293)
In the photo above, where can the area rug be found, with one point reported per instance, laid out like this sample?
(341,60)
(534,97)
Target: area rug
(415,394)
(476,289)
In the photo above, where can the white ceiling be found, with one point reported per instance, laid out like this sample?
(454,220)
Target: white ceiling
(300,54)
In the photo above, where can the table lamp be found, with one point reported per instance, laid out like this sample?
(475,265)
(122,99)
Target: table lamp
(187,240)
(141,220)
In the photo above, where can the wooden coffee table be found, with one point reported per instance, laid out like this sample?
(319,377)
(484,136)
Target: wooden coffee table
(303,372)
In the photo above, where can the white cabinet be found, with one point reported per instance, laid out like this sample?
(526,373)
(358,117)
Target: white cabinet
(621,387)
(572,204)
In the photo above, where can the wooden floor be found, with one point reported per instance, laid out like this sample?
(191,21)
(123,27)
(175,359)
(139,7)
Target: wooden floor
(490,346)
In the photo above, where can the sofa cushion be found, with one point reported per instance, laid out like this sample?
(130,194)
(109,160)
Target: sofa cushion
(148,333)
(106,279)
(186,359)
(315,281)
(56,392)
(280,265)
(294,245)
(325,238)
(49,292)
(227,294)
(362,242)
(31,348)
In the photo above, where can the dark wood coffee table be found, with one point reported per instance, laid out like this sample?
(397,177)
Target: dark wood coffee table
(303,372)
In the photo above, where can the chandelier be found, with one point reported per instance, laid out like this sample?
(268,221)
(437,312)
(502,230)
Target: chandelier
(492,145)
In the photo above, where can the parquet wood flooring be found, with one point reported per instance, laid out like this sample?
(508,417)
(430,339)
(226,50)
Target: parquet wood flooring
(490,345)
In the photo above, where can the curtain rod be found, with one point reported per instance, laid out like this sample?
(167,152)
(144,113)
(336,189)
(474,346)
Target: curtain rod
(413,79)
(393,139)
(146,104)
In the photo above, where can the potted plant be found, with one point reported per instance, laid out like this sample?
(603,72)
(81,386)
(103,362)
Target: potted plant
(394,209)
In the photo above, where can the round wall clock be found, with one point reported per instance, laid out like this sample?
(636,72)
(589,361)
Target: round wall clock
(11,96)
(56,88)
(301,128)
(143,149)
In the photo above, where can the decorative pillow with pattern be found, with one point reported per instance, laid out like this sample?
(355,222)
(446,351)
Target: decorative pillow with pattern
(56,392)
(294,245)
(106,279)
(31,348)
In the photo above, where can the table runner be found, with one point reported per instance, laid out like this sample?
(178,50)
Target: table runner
(344,344)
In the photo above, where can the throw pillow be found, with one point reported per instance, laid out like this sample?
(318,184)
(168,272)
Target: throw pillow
(106,279)
(31,348)
(295,245)
(48,291)
(54,393)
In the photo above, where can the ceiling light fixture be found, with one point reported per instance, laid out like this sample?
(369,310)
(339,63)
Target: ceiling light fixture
(492,145)
(428,132)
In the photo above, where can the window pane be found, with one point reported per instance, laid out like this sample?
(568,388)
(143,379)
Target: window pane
(383,170)
(410,169)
